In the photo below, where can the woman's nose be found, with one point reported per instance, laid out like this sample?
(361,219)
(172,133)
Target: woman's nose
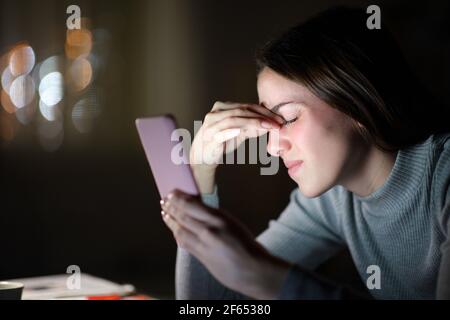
(277,144)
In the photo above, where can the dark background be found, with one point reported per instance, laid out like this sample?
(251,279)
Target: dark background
(92,201)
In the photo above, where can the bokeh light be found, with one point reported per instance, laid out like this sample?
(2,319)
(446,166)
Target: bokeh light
(78,43)
(22,91)
(7,79)
(26,114)
(51,88)
(73,70)
(51,64)
(7,104)
(21,60)
(85,111)
(50,113)
(80,74)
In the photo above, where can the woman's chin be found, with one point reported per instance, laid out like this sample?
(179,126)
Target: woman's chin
(310,191)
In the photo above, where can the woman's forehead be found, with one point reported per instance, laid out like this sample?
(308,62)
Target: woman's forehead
(274,89)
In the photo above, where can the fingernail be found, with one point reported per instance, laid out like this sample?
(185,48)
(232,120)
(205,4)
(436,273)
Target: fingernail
(161,202)
(163,213)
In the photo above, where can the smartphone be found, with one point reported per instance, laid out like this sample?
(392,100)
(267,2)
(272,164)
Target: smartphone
(162,145)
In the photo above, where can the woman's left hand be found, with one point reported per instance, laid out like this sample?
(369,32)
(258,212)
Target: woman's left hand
(224,246)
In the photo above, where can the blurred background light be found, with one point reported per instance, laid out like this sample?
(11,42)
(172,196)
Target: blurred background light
(21,60)
(78,43)
(22,91)
(7,104)
(80,74)
(51,88)
(26,114)
(7,79)
(50,65)
(50,113)
(85,111)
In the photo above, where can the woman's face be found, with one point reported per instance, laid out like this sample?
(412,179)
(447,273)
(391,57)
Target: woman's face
(317,134)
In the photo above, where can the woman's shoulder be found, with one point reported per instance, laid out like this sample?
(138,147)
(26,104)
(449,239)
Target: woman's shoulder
(441,141)
(441,150)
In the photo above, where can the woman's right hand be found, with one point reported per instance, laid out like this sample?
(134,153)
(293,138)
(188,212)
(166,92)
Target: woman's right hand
(225,122)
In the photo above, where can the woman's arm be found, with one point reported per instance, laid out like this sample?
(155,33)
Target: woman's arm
(303,232)
(303,284)
(224,122)
(192,279)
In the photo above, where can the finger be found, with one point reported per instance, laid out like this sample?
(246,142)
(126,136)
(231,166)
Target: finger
(259,109)
(243,123)
(181,204)
(267,112)
(219,105)
(200,230)
(242,111)
(170,222)
(226,134)
(184,237)
(188,222)
(178,203)
(232,144)
(242,134)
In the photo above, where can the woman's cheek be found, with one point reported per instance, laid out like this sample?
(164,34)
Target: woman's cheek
(296,135)
(321,154)
(304,138)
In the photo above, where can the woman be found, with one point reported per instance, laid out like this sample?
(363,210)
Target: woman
(370,152)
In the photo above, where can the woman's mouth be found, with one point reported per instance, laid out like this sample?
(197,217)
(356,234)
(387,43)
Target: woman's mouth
(293,166)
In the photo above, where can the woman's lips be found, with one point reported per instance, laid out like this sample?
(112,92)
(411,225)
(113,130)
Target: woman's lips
(293,166)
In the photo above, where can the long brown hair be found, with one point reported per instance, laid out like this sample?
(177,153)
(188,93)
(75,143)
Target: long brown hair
(360,72)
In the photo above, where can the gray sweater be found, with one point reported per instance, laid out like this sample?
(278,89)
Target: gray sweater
(402,229)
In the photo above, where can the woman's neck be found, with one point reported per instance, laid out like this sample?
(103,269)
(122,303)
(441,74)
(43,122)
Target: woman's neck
(372,172)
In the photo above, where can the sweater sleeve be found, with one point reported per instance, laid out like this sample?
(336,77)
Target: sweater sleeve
(303,284)
(192,279)
(306,234)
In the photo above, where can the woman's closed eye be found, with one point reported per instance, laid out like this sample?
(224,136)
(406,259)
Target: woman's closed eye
(290,113)
(289,122)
